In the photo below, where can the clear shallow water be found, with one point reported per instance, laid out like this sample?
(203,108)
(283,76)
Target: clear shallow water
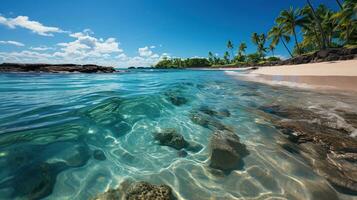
(50,125)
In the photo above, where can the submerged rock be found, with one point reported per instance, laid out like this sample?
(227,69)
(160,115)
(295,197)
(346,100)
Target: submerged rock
(226,151)
(215,113)
(138,191)
(147,191)
(323,142)
(208,122)
(175,98)
(99,155)
(170,137)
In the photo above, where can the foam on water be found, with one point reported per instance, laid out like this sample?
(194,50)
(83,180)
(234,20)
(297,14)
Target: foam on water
(50,125)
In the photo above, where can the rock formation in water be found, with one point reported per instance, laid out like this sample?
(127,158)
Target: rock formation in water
(54,68)
(322,141)
(226,151)
(170,137)
(215,113)
(138,191)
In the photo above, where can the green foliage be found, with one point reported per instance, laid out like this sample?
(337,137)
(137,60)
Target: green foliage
(254,58)
(273,59)
(183,63)
(319,27)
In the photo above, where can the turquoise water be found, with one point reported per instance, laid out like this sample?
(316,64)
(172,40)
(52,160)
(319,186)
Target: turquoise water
(51,125)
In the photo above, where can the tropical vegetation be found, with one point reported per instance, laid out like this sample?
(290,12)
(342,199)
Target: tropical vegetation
(309,28)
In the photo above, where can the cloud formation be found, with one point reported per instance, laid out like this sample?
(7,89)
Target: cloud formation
(34,26)
(19,44)
(41,48)
(82,48)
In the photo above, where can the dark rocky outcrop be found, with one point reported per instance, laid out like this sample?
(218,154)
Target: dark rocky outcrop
(226,151)
(138,191)
(54,68)
(328,148)
(170,137)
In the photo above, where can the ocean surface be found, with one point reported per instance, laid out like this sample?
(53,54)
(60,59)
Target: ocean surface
(73,136)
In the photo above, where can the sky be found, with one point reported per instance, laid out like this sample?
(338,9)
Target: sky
(124,33)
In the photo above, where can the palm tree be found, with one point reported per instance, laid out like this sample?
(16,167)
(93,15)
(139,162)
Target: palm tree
(226,57)
(347,21)
(328,23)
(242,48)
(311,35)
(319,25)
(255,38)
(261,46)
(289,20)
(211,57)
(230,47)
(276,34)
(272,48)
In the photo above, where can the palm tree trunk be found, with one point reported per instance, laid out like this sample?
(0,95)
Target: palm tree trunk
(317,21)
(296,42)
(286,47)
(272,51)
(317,38)
(339,4)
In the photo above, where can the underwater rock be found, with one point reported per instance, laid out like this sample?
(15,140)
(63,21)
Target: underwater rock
(208,122)
(175,98)
(194,147)
(325,144)
(147,191)
(170,137)
(178,101)
(34,182)
(211,112)
(226,151)
(138,191)
(99,155)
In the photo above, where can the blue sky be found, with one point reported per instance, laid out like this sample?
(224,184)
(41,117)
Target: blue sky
(131,32)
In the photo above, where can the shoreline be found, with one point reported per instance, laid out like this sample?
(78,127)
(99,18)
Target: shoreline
(331,76)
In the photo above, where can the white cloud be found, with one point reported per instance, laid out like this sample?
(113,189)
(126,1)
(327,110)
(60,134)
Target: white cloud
(19,44)
(145,52)
(84,48)
(34,26)
(41,48)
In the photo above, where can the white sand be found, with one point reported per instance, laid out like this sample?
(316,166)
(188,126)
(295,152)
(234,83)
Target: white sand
(334,68)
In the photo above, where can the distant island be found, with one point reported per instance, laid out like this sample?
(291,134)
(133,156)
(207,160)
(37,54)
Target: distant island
(327,35)
(55,68)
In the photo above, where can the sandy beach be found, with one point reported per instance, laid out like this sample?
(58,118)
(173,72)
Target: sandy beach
(337,75)
(334,68)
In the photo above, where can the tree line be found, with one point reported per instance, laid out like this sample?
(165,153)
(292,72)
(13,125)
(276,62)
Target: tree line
(319,28)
